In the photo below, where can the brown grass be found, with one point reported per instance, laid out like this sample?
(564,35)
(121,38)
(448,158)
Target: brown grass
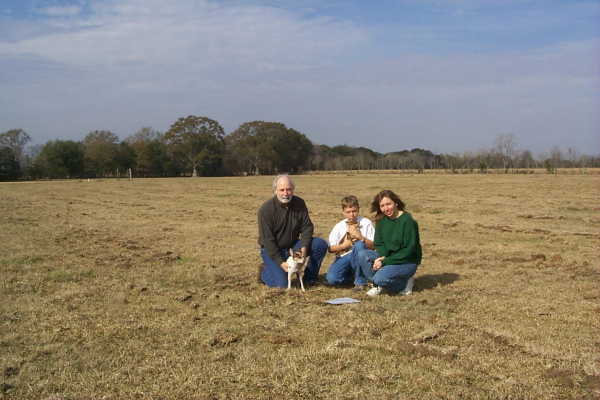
(147,290)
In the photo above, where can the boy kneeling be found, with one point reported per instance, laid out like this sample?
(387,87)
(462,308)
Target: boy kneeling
(347,237)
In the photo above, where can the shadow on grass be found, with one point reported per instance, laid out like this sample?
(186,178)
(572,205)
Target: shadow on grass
(431,281)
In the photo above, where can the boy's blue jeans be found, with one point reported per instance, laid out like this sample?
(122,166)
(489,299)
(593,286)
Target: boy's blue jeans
(272,274)
(391,277)
(344,269)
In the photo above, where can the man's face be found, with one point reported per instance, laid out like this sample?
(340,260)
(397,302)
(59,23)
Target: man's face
(284,191)
(350,213)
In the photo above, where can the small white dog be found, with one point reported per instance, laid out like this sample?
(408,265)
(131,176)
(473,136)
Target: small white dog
(296,265)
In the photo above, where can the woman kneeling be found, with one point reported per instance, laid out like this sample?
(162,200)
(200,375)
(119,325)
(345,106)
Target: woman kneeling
(397,253)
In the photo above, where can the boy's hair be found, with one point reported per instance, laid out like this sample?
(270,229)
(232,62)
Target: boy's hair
(350,201)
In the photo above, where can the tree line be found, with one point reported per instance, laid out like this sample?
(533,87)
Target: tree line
(198,146)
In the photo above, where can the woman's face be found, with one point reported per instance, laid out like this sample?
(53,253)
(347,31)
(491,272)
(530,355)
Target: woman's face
(388,207)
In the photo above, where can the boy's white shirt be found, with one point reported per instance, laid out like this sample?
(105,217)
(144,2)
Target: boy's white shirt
(339,230)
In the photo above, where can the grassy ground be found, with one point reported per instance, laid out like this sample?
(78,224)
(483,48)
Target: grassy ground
(147,290)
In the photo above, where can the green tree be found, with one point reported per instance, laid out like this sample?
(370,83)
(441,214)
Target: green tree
(32,170)
(9,165)
(260,147)
(61,159)
(124,158)
(151,158)
(199,143)
(100,149)
(343,150)
(321,157)
(15,139)
(242,156)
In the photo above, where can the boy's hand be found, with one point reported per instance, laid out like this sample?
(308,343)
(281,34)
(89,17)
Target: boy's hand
(378,263)
(347,243)
(355,232)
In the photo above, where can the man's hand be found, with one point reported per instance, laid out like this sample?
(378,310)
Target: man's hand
(378,264)
(284,266)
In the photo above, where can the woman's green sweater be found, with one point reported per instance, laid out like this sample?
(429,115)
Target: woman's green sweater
(398,240)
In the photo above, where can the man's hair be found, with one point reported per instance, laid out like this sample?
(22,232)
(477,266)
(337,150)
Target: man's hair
(350,201)
(281,176)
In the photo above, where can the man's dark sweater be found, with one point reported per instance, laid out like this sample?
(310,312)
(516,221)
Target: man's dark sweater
(280,225)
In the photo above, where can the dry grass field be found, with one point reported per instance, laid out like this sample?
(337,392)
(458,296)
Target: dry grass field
(146,289)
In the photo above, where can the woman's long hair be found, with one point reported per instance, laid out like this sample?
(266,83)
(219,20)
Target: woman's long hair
(377,199)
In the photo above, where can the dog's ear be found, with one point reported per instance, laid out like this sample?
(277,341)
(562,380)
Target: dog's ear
(291,252)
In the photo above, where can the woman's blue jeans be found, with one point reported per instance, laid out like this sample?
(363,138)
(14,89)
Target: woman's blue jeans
(272,274)
(391,277)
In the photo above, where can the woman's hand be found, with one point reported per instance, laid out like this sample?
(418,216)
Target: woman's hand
(378,264)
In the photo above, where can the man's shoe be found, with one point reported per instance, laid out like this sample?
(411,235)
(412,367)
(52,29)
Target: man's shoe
(374,291)
(409,287)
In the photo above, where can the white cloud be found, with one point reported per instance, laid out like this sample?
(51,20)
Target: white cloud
(186,32)
(56,11)
(452,103)
(135,63)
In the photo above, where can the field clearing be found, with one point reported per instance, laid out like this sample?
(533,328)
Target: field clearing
(146,289)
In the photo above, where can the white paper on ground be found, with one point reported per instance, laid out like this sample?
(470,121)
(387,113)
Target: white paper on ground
(342,300)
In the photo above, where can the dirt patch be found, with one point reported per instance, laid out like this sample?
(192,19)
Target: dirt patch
(561,376)
(280,339)
(223,339)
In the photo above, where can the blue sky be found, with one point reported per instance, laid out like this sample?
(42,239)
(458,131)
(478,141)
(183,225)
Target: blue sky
(445,75)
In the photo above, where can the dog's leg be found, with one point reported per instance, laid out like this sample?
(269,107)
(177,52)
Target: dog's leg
(290,274)
(306,264)
(301,279)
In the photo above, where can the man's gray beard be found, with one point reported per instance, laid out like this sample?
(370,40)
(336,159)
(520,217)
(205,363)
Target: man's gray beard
(284,200)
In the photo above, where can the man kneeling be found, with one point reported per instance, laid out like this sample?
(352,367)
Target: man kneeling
(284,224)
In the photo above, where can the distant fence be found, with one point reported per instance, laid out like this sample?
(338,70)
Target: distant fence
(489,171)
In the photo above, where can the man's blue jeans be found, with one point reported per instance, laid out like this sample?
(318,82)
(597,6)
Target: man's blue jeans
(344,269)
(272,274)
(391,277)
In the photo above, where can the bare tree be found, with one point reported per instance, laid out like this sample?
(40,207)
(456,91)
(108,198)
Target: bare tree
(573,157)
(525,159)
(556,157)
(505,145)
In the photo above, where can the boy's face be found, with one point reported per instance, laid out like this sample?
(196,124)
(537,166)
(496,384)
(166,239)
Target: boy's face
(350,213)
